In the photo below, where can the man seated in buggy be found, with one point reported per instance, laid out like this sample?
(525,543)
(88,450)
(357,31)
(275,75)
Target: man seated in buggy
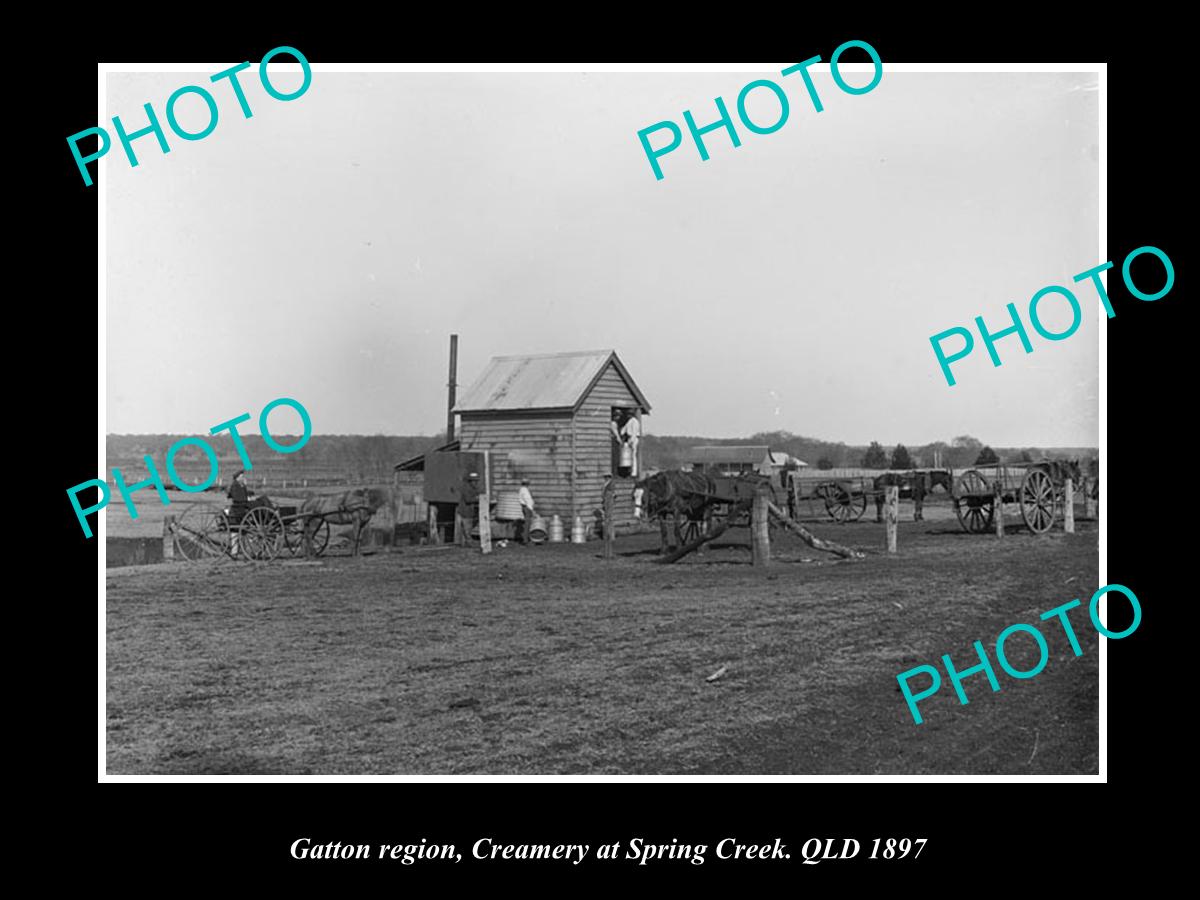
(242,500)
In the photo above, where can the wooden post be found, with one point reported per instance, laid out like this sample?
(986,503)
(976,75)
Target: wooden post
(1089,502)
(485,523)
(760,531)
(435,536)
(892,516)
(997,509)
(168,549)
(575,477)
(460,529)
(1069,506)
(608,519)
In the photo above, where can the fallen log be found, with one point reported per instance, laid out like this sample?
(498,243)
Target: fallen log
(811,539)
(699,542)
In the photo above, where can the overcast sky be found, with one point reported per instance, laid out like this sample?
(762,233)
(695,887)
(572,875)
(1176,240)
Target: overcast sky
(325,249)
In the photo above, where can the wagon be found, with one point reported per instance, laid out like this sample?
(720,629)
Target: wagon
(1037,489)
(729,501)
(843,499)
(206,530)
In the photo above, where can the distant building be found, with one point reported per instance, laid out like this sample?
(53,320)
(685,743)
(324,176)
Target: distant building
(787,461)
(733,459)
(740,459)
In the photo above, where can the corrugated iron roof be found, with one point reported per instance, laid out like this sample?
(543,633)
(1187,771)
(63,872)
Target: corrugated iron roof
(549,381)
(731,453)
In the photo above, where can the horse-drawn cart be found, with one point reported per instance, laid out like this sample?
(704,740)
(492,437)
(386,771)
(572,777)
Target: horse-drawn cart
(843,499)
(1036,489)
(208,530)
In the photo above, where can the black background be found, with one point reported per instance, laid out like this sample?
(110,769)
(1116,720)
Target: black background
(167,835)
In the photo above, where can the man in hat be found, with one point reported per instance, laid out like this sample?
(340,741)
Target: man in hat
(241,501)
(526,499)
(468,507)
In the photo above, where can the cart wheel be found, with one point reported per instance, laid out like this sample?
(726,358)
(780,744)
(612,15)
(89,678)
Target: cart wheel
(692,529)
(1037,498)
(261,533)
(320,538)
(202,532)
(841,504)
(294,537)
(973,502)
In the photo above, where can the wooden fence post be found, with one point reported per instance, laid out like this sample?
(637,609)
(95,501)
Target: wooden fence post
(1069,506)
(485,523)
(608,519)
(431,518)
(998,509)
(760,529)
(168,547)
(1089,502)
(892,516)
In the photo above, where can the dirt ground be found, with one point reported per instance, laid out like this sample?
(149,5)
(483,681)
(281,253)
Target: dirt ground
(550,659)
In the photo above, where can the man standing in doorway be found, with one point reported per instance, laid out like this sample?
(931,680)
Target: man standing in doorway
(526,499)
(627,431)
(631,431)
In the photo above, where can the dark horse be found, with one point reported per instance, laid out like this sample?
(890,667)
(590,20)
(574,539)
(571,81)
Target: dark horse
(682,496)
(354,507)
(918,483)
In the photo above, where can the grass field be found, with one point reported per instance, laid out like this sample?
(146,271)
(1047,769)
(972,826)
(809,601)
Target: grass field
(551,660)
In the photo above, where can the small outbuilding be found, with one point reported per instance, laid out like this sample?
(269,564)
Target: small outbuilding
(565,421)
(733,459)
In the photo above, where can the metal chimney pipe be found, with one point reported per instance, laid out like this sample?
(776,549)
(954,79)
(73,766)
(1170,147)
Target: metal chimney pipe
(453,385)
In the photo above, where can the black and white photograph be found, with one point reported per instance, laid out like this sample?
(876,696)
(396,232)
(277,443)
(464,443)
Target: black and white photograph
(601,421)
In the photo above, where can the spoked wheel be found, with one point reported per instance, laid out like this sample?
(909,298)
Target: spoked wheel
(692,529)
(1037,501)
(261,534)
(842,505)
(973,502)
(858,506)
(293,537)
(202,532)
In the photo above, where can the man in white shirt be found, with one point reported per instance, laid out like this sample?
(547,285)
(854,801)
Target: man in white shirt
(526,499)
(631,431)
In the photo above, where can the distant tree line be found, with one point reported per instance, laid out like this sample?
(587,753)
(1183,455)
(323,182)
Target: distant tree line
(362,458)
(352,457)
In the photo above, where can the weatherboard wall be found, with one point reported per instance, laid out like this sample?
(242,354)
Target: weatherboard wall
(565,456)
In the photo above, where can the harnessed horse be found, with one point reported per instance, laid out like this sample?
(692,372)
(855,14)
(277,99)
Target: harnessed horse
(354,507)
(919,483)
(683,496)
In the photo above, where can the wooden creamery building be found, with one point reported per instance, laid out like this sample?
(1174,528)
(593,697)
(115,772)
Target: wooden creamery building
(551,419)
